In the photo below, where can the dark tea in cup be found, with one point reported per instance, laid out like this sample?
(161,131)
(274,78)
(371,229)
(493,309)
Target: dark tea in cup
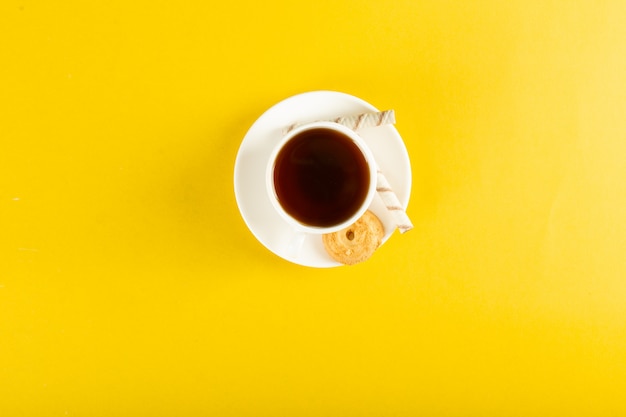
(322,177)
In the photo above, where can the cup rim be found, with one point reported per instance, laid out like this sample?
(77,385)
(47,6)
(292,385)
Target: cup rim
(369,158)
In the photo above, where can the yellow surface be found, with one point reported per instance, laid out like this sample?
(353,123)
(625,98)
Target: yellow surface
(130,286)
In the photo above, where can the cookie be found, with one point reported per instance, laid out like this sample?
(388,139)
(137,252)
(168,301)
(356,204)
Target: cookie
(357,242)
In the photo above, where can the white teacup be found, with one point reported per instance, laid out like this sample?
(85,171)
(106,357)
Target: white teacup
(321,178)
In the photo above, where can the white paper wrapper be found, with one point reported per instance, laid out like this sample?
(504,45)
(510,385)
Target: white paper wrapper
(359,121)
(390,199)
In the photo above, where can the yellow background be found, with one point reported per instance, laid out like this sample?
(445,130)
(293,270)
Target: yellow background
(130,285)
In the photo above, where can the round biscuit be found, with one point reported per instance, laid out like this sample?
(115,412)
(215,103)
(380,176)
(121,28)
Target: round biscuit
(357,242)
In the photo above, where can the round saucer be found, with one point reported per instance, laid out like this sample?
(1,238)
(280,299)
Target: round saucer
(252,158)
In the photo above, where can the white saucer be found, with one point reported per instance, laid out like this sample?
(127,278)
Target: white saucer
(255,207)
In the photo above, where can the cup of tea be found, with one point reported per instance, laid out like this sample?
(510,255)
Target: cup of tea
(321,178)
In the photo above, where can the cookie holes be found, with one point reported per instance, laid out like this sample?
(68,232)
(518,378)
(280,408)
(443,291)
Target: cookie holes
(350,234)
